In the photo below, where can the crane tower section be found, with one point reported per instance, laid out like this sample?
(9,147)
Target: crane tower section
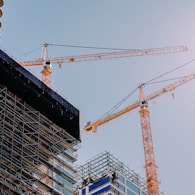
(150,166)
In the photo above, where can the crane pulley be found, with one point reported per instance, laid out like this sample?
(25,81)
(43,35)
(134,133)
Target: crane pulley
(46,61)
(150,166)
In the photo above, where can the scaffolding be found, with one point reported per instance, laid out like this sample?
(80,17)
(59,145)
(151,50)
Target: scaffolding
(104,164)
(30,148)
(39,135)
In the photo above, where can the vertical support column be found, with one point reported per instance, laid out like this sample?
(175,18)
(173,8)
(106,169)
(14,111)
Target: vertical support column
(150,166)
(30,131)
(46,72)
(2,118)
(87,189)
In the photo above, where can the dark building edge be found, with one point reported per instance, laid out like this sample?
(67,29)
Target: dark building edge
(38,95)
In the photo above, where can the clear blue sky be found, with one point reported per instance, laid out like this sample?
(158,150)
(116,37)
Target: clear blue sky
(96,86)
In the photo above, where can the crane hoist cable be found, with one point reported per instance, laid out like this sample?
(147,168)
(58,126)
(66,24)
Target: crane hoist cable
(74,46)
(170,71)
(114,108)
(92,47)
(149,82)
(29,52)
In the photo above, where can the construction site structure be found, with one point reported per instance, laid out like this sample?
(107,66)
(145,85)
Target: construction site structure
(105,174)
(47,62)
(39,135)
(150,165)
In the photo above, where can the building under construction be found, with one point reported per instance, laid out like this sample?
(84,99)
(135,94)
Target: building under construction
(105,174)
(39,135)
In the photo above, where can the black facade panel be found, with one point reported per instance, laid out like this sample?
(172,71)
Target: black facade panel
(22,83)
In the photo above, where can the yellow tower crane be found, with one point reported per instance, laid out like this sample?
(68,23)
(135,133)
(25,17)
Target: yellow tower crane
(150,166)
(46,62)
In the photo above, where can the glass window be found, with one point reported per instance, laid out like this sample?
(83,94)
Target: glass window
(130,192)
(143,193)
(116,191)
(64,171)
(101,191)
(63,181)
(62,190)
(83,191)
(121,178)
(133,187)
(122,188)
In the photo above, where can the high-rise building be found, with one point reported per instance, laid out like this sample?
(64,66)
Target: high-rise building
(105,174)
(39,135)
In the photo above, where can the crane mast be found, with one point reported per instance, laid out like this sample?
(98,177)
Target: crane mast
(46,72)
(46,62)
(150,165)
